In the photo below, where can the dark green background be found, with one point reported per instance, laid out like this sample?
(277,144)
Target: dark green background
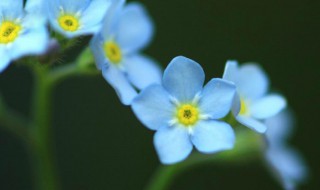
(101,145)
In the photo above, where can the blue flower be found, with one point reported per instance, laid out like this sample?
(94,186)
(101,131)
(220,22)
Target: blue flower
(285,161)
(184,113)
(21,33)
(252,102)
(125,32)
(77,17)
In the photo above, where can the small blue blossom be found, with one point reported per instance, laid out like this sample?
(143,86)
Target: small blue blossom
(285,161)
(252,103)
(21,33)
(77,17)
(126,31)
(184,113)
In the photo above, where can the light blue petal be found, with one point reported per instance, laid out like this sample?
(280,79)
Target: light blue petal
(4,59)
(236,104)
(111,18)
(142,71)
(288,164)
(94,14)
(53,12)
(34,42)
(252,82)
(96,46)
(153,107)
(252,123)
(216,98)
(183,78)
(267,106)
(172,144)
(74,6)
(135,28)
(231,71)
(279,127)
(120,83)
(211,136)
(38,8)
(11,9)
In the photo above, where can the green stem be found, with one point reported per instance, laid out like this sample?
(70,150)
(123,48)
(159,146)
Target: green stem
(248,147)
(69,70)
(46,174)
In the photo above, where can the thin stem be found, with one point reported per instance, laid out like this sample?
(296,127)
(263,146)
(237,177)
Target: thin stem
(46,174)
(248,147)
(69,70)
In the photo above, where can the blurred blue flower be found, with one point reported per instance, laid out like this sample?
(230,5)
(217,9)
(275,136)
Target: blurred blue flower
(21,33)
(184,113)
(252,103)
(77,17)
(285,161)
(125,32)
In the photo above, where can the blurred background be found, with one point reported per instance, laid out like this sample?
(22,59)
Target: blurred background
(100,144)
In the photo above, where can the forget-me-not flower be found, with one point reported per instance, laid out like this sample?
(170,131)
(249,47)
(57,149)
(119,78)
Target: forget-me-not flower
(77,17)
(184,113)
(21,33)
(125,32)
(285,161)
(252,103)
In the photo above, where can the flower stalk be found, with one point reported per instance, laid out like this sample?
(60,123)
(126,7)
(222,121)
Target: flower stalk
(46,174)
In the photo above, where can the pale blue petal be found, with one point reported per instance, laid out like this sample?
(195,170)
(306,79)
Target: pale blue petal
(94,14)
(96,45)
(32,21)
(120,83)
(183,78)
(267,106)
(288,164)
(38,6)
(211,136)
(153,107)
(142,71)
(11,9)
(4,59)
(231,71)
(34,42)
(172,144)
(279,127)
(236,104)
(135,28)
(74,6)
(216,98)
(252,123)
(53,10)
(110,21)
(252,82)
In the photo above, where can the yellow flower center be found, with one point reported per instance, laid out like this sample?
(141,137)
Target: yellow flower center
(113,52)
(243,107)
(9,31)
(187,114)
(69,22)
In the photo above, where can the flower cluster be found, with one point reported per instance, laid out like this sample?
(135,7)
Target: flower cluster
(176,104)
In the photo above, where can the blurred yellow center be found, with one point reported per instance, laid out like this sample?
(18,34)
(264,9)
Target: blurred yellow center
(9,31)
(69,23)
(243,108)
(113,52)
(187,114)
